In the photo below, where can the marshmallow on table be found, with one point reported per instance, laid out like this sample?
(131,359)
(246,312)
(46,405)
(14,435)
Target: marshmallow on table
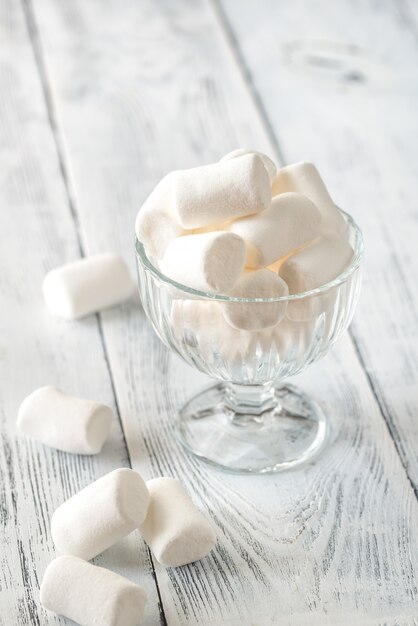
(311,268)
(304,178)
(175,530)
(207,262)
(87,285)
(256,315)
(156,226)
(291,221)
(221,191)
(91,595)
(65,422)
(100,514)
(268,163)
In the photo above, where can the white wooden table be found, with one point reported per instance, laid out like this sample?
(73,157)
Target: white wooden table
(97,101)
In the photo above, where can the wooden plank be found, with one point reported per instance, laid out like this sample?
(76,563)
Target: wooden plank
(37,234)
(139,89)
(339,87)
(408,13)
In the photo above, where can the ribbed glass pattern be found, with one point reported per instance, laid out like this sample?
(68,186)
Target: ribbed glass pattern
(196,329)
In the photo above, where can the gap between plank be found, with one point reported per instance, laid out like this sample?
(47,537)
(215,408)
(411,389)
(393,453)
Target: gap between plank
(384,411)
(245,72)
(34,37)
(40,63)
(407,17)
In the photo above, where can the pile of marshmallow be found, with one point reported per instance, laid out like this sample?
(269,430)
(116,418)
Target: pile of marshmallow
(103,513)
(242,228)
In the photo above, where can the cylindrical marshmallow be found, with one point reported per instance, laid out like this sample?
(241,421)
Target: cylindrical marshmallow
(304,178)
(64,422)
(91,595)
(268,163)
(156,226)
(100,514)
(256,315)
(291,221)
(221,191)
(88,285)
(210,262)
(201,328)
(175,530)
(311,268)
(204,333)
(211,228)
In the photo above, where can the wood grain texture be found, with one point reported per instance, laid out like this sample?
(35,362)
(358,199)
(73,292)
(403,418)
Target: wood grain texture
(139,89)
(340,89)
(408,13)
(37,234)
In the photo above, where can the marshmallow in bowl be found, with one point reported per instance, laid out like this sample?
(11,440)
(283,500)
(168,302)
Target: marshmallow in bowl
(200,327)
(64,422)
(210,262)
(221,191)
(293,339)
(311,268)
(156,226)
(256,315)
(175,530)
(234,196)
(305,179)
(100,514)
(88,594)
(268,163)
(316,264)
(291,222)
(211,228)
(87,286)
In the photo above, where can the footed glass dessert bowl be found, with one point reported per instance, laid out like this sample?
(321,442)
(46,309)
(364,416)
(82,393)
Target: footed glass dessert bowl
(251,420)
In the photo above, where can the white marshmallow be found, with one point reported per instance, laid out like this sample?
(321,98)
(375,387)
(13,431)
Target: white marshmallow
(291,221)
(311,268)
(268,163)
(256,315)
(316,264)
(175,530)
(100,514)
(203,332)
(65,422)
(91,595)
(221,191)
(210,262)
(304,178)
(293,339)
(212,343)
(211,228)
(87,285)
(155,225)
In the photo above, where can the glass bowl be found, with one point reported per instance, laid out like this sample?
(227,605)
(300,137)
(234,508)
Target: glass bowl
(250,420)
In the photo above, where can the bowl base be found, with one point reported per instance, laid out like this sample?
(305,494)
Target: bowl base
(284,435)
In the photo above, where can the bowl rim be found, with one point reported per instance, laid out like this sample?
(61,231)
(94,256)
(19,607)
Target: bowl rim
(207,295)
